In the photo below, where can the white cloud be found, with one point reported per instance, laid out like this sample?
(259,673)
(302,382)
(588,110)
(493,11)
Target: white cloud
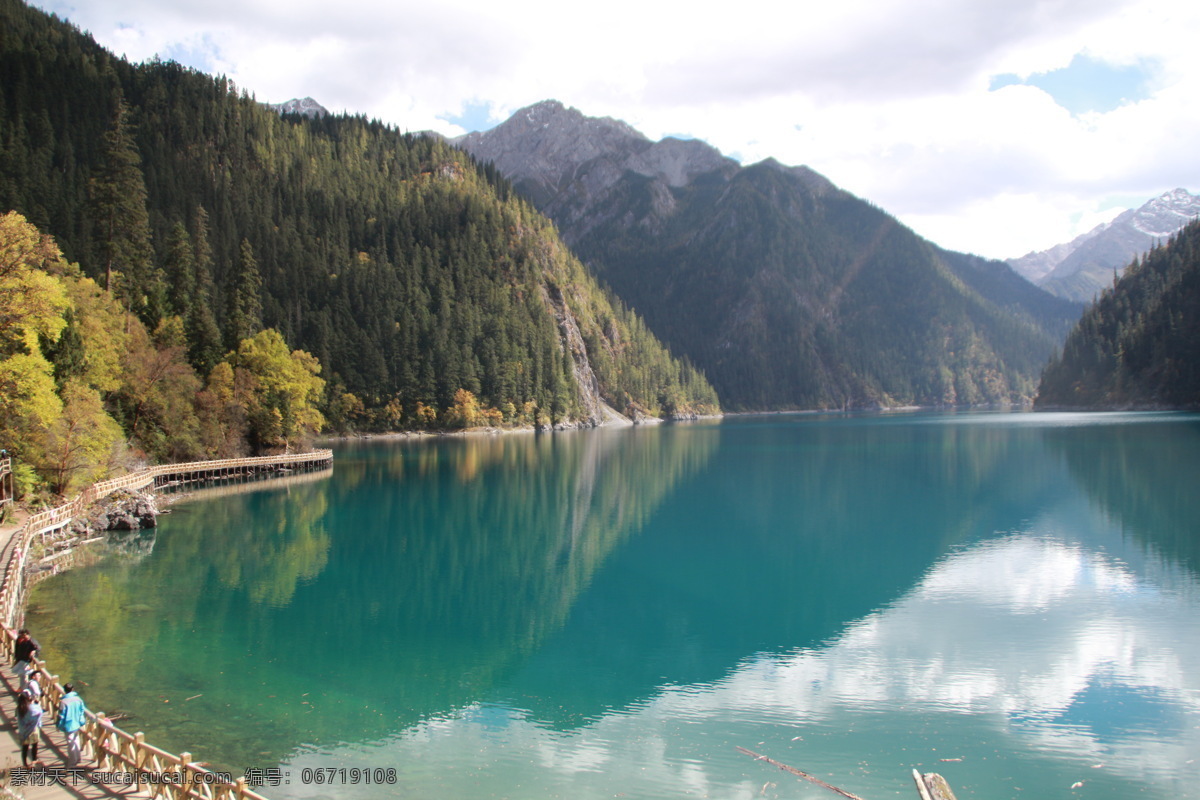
(889,100)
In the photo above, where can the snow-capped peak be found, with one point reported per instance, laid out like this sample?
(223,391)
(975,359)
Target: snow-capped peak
(1167,213)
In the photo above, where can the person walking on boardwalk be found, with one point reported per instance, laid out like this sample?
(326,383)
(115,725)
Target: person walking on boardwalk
(72,714)
(24,649)
(29,728)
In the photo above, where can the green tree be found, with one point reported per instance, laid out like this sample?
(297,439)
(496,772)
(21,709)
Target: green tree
(245,299)
(117,193)
(204,335)
(180,268)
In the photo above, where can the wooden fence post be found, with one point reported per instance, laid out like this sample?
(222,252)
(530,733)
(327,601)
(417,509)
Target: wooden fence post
(139,759)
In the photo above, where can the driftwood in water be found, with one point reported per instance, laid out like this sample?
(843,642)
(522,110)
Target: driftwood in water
(932,786)
(801,774)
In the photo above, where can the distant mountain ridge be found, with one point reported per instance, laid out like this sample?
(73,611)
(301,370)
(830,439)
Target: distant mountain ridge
(787,291)
(1082,268)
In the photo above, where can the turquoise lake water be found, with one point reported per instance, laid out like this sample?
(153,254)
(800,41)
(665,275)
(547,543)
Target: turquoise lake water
(1012,600)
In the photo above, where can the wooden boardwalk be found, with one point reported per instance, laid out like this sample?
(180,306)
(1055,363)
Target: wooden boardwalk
(6,483)
(111,756)
(55,782)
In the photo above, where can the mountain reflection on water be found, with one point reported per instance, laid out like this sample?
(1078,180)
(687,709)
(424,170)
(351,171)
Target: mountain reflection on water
(995,597)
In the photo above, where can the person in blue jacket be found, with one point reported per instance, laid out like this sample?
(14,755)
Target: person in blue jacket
(72,715)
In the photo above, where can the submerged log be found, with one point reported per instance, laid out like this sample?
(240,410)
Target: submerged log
(801,774)
(932,786)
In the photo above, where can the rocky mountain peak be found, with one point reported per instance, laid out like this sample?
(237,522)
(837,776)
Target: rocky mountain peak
(812,180)
(1167,213)
(541,143)
(306,106)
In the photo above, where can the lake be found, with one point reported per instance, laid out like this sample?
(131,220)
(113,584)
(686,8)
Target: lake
(1012,600)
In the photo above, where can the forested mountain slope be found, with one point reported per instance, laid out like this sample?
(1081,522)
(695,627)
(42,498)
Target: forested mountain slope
(408,270)
(785,290)
(1139,345)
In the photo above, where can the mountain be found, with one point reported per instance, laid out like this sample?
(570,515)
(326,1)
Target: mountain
(787,291)
(306,107)
(426,288)
(1037,266)
(1138,345)
(1081,268)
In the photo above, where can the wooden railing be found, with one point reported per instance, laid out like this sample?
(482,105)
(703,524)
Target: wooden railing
(152,770)
(6,482)
(52,519)
(162,774)
(57,517)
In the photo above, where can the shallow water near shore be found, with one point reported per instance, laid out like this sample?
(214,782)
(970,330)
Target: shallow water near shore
(1008,599)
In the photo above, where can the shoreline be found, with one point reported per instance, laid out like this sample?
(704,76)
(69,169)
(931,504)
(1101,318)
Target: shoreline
(525,429)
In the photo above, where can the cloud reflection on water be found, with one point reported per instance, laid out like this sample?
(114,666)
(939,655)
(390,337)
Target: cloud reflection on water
(1031,643)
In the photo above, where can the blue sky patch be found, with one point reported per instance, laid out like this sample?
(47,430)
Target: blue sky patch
(476,116)
(201,56)
(1087,84)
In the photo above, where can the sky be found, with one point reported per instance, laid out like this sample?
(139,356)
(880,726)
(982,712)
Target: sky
(995,127)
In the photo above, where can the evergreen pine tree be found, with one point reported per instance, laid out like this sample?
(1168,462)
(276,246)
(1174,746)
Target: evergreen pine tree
(245,299)
(117,194)
(180,269)
(68,354)
(203,333)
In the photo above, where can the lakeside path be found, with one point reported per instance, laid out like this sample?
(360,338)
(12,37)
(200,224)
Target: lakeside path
(52,752)
(8,530)
(125,755)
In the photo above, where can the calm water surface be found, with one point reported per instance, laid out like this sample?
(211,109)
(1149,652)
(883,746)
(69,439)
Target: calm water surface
(1012,600)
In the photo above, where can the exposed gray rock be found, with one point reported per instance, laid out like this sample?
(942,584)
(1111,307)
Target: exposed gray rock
(126,511)
(677,161)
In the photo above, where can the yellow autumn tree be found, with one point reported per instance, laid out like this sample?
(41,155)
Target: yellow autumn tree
(54,422)
(81,445)
(32,303)
(283,390)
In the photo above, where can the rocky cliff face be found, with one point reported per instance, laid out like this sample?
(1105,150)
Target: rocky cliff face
(1082,268)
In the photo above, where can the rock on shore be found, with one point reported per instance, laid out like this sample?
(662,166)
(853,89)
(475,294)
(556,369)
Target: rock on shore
(125,511)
